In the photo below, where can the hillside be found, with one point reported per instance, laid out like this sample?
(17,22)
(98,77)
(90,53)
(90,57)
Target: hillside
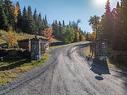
(19,36)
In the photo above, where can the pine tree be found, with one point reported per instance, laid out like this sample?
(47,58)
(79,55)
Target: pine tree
(30,21)
(35,17)
(29,10)
(55,27)
(9,11)
(28,24)
(41,24)
(107,24)
(3,19)
(45,22)
(19,18)
(60,28)
(24,23)
(63,23)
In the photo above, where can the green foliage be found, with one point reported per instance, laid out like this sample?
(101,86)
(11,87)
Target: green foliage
(94,21)
(69,35)
(40,23)
(3,19)
(19,19)
(33,23)
(63,32)
(26,21)
(45,22)
(107,24)
(9,11)
(35,17)
(30,21)
(76,39)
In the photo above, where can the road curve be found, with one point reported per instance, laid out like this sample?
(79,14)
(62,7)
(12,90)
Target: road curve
(70,74)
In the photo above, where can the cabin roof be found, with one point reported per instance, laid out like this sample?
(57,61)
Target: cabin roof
(34,38)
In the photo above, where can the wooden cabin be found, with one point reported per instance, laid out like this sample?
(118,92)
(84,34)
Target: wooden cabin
(37,46)
(25,44)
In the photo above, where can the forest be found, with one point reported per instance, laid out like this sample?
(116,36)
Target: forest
(13,18)
(112,25)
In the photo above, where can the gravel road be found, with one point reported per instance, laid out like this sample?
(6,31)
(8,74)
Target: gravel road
(70,74)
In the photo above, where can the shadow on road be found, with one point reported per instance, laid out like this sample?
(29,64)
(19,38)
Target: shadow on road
(99,67)
(99,77)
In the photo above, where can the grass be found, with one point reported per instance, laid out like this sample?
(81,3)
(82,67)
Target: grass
(9,75)
(54,47)
(19,36)
(2,41)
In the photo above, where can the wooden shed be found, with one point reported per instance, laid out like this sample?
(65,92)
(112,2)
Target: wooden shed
(37,46)
(25,44)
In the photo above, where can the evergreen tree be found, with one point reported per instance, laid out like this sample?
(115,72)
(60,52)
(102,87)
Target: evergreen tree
(45,22)
(107,24)
(9,11)
(35,17)
(3,19)
(30,21)
(60,29)
(29,10)
(63,23)
(41,25)
(55,29)
(28,24)
(24,20)
(19,18)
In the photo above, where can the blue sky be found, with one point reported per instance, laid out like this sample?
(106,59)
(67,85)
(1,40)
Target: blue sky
(68,10)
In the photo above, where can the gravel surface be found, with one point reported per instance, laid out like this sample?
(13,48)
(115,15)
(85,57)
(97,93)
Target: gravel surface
(70,74)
